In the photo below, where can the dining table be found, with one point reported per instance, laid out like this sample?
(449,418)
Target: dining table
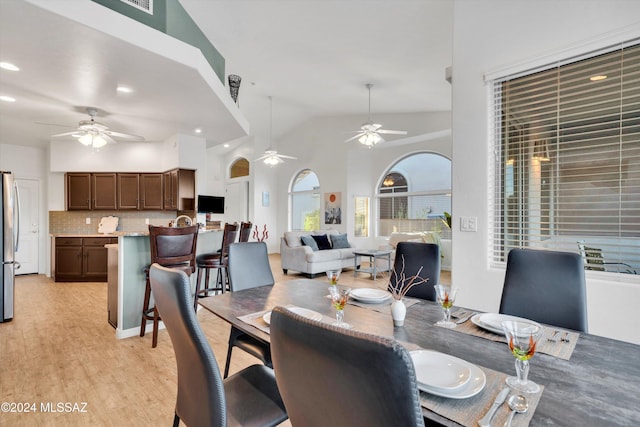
(599,385)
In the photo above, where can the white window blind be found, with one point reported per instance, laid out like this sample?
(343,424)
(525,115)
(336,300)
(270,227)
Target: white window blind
(567,160)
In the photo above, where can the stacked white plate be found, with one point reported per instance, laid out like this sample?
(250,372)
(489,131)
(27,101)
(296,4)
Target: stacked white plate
(493,321)
(305,312)
(447,376)
(370,295)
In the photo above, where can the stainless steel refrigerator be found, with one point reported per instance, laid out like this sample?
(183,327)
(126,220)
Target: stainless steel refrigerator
(9,235)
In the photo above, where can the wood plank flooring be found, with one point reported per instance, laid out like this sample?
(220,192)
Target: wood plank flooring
(59,348)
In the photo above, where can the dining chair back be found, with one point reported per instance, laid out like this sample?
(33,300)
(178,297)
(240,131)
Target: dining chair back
(333,376)
(248,268)
(547,287)
(250,397)
(245,231)
(415,255)
(171,247)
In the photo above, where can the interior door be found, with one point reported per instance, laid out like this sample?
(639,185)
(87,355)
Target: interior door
(236,207)
(28,242)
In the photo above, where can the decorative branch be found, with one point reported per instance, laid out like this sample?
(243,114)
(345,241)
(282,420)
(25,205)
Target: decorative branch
(403,283)
(264,236)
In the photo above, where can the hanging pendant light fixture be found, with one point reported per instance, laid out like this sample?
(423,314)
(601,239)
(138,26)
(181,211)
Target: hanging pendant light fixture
(271,156)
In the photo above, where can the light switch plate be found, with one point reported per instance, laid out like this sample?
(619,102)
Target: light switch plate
(87,221)
(469,223)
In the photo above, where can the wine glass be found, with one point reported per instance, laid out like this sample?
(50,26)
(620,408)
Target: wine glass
(522,337)
(333,276)
(339,298)
(446,295)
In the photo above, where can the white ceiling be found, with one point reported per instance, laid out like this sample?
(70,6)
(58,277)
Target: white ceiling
(313,57)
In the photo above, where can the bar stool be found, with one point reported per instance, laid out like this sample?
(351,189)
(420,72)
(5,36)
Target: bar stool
(215,260)
(245,231)
(173,247)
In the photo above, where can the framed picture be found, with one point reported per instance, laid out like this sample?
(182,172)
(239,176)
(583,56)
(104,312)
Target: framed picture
(333,208)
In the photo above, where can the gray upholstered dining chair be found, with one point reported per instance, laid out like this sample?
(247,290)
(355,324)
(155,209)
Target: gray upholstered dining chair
(416,255)
(248,398)
(248,267)
(330,376)
(546,286)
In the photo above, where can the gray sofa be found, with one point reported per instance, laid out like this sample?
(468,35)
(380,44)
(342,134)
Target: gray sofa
(296,256)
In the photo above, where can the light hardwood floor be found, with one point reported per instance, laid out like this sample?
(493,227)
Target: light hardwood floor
(60,348)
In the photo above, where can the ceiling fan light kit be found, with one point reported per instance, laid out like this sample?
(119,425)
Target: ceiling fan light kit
(369,133)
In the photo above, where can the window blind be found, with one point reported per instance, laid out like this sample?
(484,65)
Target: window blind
(567,160)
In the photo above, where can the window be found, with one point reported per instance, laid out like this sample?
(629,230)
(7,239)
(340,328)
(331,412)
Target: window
(567,167)
(305,201)
(239,168)
(414,195)
(361,219)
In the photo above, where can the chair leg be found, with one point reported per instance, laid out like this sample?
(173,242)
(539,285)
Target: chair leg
(226,366)
(145,307)
(195,295)
(176,420)
(156,317)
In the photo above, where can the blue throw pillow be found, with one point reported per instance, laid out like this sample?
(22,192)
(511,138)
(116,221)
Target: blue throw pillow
(322,241)
(309,241)
(339,241)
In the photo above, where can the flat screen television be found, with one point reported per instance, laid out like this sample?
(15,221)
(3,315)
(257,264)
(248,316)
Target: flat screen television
(210,204)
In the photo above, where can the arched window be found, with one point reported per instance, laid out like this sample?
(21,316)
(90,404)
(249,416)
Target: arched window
(239,168)
(414,194)
(305,201)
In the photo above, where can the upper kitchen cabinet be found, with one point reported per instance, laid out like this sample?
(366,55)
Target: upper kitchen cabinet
(103,187)
(151,191)
(78,189)
(180,191)
(128,189)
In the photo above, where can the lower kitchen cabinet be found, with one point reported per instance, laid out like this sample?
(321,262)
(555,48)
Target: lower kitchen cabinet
(81,259)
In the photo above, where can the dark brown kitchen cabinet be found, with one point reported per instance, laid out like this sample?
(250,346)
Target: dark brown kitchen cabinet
(151,195)
(81,259)
(128,191)
(78,191)
(87,191)
(179,190)
(103,188)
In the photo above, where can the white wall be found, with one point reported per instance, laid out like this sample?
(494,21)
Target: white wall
(30,163)
(489,36)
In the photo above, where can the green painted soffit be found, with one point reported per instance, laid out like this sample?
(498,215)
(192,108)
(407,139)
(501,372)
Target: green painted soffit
(170,18)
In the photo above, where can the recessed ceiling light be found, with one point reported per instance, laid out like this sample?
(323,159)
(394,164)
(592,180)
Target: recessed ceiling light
(124,89)
(226,145)
(9,66)
(597,78)
(197,130)
(7,98)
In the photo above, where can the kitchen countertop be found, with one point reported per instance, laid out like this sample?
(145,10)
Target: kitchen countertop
(117,234)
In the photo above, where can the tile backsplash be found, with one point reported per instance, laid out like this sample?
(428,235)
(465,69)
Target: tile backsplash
(74,222)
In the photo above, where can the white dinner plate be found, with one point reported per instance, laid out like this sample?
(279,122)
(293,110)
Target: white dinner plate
(370,295)
(477,381)
(493,321)
(305,312)
(440,371)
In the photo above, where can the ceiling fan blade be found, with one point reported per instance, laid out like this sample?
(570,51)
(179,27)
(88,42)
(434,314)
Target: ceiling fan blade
(358,135)
(74,133)
(109,139)
(287,157)
(123,135)
(394,132)
(262,157)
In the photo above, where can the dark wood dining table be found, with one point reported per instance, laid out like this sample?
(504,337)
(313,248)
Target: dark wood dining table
(598,386)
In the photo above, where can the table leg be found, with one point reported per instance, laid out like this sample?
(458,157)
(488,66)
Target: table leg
(355,266)
(372,261)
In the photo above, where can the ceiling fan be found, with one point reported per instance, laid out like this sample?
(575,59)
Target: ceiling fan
(369,133)
(95,134)
(271,156)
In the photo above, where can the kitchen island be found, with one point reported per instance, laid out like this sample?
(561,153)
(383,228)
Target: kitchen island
(133,257)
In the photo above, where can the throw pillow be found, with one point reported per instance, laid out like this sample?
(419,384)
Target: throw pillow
(309,241)
(322,241)
(339,241)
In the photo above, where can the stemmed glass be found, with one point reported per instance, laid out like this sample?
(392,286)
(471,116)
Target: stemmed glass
(446,295)
(339,298)
(333,276)
(522,337)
